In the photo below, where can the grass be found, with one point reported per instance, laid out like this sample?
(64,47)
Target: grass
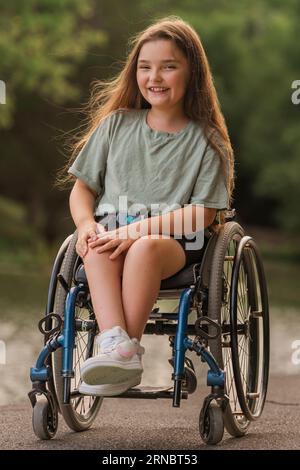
(283,282)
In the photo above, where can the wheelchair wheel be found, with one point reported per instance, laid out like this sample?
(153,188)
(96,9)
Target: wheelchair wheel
(50,308)
(252,389)
(82,410)
(238,301)
(44,419)
(211,426)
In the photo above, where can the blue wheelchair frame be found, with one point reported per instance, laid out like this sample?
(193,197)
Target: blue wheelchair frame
(48,395)
(215,376)
(41,373)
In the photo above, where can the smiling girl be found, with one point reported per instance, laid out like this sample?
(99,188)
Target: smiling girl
(156,137)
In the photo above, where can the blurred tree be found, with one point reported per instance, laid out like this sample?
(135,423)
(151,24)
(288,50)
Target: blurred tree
(41,44)
(75,44)
(51,51)
(254,54)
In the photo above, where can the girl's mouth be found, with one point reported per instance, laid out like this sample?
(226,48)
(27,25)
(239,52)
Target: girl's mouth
(158,90)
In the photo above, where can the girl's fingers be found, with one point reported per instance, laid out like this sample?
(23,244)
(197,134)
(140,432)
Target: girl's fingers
(108,246)
(122,247)
(92,235)
(81,247)
(99,241)
(111,234)
(116,253)
(80,252)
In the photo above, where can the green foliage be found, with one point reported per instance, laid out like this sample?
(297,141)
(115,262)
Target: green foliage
(51,51)
(17,239)
(254,53)
(41,45)
(14,231)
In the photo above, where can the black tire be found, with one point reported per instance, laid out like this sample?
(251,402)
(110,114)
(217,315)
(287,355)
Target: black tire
(44,419)
(50,307)
(190,380)
(229,237)
(211,425)
(82,410)
(250,341)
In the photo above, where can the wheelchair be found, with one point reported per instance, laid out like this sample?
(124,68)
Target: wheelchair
(226,292)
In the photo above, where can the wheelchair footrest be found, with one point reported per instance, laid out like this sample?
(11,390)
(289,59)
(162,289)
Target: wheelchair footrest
(151,393)
(145,392)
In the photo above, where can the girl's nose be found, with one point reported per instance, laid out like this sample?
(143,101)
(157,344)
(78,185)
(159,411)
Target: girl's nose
(155,75)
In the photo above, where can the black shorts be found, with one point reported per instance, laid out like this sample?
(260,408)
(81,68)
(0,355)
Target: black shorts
(112,221)
(192,256)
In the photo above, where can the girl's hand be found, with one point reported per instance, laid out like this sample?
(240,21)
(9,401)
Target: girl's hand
(120,239)
(87,232)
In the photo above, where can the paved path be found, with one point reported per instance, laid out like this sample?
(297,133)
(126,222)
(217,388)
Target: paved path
(154,424)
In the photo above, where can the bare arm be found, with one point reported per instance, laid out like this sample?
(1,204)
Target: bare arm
(191,219)
(82,202)
(180,221)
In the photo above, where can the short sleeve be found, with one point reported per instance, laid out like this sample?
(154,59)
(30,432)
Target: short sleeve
(90,164)
(210,187)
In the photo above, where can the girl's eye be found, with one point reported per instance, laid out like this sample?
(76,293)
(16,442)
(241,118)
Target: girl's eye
(146,67)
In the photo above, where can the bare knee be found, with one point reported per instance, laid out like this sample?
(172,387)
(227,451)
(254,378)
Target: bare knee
(92,258)
(166,255)
(144,246)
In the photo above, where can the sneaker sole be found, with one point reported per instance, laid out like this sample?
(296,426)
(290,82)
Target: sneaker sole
(94,373)
(109,390)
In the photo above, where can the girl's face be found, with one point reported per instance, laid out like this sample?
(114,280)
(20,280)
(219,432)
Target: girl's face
(162,74)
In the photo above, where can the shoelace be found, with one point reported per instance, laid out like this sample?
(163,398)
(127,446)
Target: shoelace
(111,341)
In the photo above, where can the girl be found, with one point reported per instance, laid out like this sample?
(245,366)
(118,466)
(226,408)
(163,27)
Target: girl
(156,136)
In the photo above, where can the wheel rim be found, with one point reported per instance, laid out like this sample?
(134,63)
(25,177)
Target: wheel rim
(205,426)
(82,409)
(250,330)
(82,405)
(230,386)
(51,420)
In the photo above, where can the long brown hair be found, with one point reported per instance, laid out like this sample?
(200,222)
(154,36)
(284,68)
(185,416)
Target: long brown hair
(201,102)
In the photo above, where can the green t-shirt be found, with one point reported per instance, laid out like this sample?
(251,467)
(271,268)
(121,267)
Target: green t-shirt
(157,170)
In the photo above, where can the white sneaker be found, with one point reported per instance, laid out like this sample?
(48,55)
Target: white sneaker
(118,361)
(109,390)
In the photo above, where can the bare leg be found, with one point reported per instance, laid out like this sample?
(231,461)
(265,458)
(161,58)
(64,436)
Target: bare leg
(104,279)
(147,262)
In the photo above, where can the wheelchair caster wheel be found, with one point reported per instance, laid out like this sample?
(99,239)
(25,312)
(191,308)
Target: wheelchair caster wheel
(44,419)
(190,380)
(211,425)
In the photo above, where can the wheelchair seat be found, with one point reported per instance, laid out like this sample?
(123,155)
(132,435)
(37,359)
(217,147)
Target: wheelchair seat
(183,278)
